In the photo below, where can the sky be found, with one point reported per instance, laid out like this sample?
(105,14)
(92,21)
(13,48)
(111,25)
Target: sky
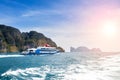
(91,23)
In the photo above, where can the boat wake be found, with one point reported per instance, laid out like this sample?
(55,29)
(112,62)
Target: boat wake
(4,56)
(42,73)
(105,68)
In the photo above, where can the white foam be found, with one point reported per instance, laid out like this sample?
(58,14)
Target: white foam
(30,73)
(106,68)
(36,78)
(4,56)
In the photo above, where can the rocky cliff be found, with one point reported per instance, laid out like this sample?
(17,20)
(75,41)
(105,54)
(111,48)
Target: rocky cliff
(12,40)
(84,49)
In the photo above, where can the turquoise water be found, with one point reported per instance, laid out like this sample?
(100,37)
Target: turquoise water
(64,66)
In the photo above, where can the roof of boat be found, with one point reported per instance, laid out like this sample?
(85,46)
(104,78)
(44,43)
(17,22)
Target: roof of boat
(45,47)
(32,49)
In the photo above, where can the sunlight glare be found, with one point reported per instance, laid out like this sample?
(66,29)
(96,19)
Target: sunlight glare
(110,29)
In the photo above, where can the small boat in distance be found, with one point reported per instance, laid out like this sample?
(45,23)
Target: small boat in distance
(40,50)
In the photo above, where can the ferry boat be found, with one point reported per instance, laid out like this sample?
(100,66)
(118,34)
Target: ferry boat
(40,50)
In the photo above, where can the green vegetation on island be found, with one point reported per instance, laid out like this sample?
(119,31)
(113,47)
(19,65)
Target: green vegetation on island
(12,40)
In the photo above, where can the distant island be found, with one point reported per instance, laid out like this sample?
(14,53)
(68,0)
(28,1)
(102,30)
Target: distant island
(84,49)
(12,40)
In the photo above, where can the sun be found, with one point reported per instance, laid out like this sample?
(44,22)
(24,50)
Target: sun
(110,29)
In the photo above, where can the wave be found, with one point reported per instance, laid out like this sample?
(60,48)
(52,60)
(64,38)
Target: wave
(105,68)
(36,73)
(4,56)
(28,73)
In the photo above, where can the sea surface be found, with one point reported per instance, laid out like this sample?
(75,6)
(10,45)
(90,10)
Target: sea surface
(63,66)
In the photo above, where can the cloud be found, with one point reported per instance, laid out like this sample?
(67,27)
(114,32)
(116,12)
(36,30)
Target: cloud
(7,20)
(86,32)
(70,23)
(30,13)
